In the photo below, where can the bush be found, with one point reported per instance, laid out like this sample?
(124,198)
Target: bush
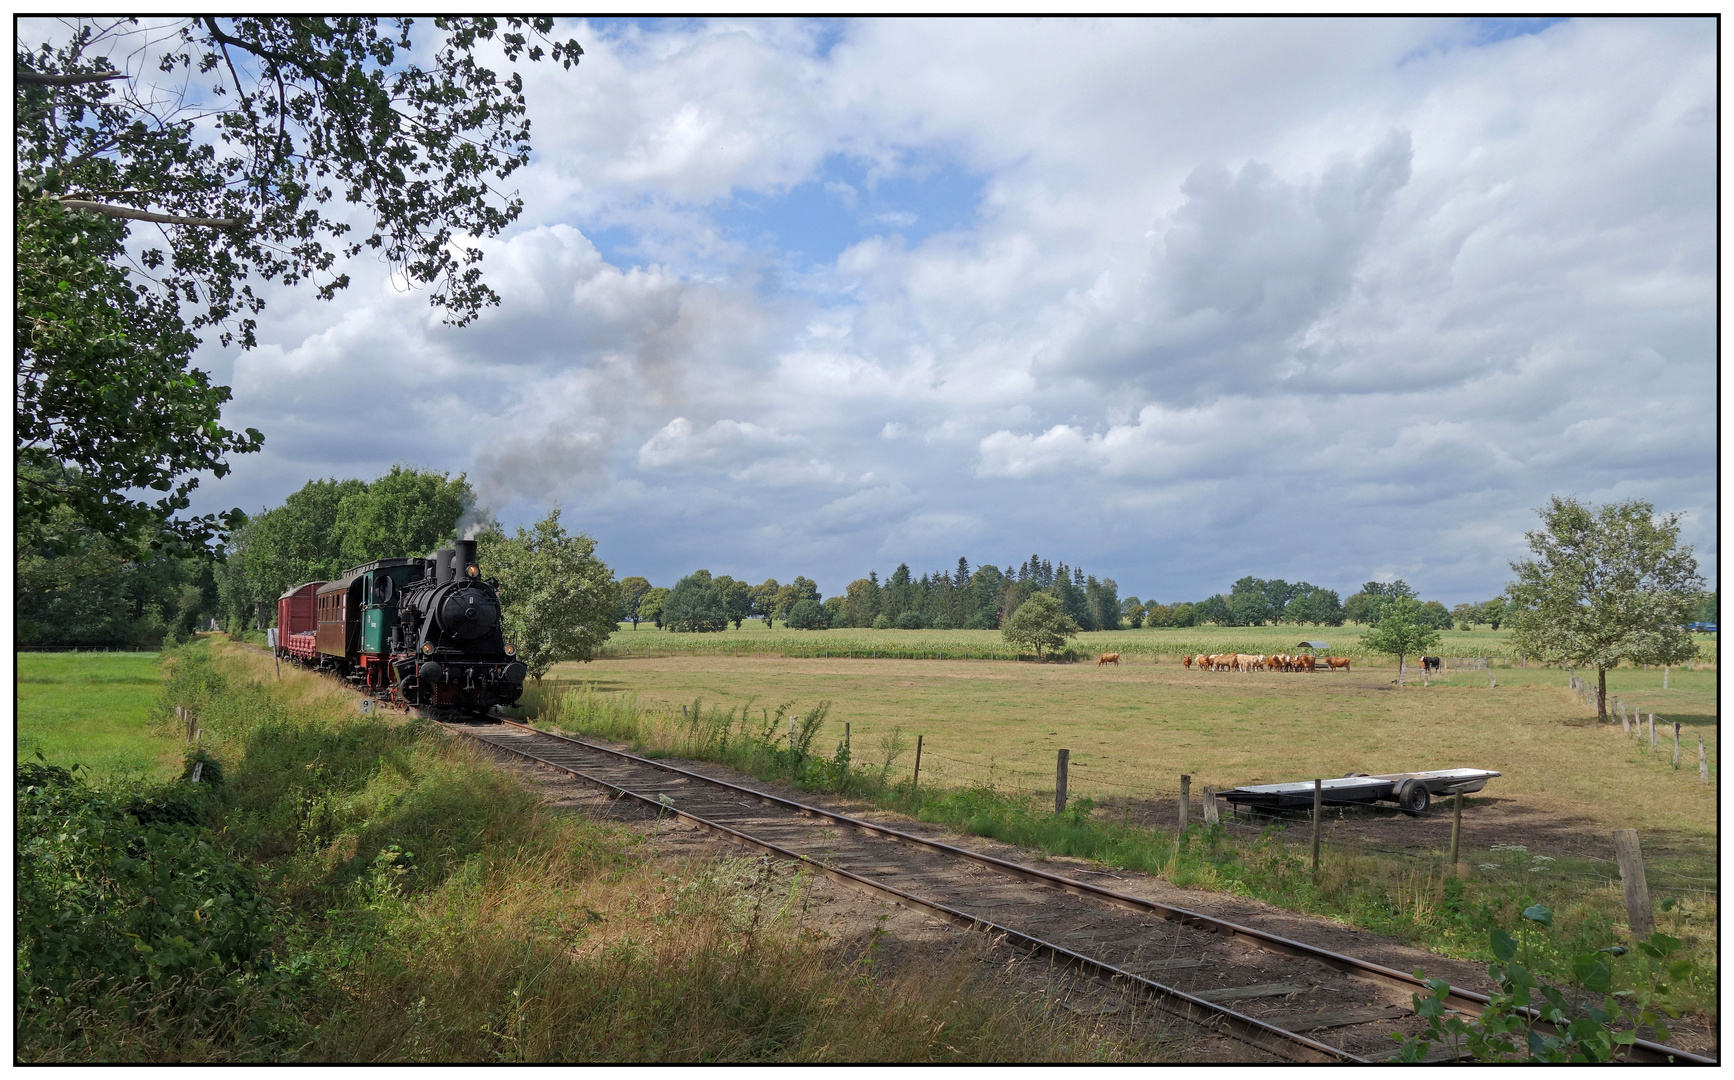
(122,890)
(911,620)
(807,615)
(882,622)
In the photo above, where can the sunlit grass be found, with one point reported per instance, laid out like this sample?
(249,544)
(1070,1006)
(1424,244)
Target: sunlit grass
(94,709)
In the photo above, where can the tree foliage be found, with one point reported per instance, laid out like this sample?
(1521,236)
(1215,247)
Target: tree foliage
(246,150)
(1606,585)
(632,592)
(556,597)
(695,605)
(1040,623)
(1404,630)
(329,526)
(809,614)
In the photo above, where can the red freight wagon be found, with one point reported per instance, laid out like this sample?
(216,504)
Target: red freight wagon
(298,621)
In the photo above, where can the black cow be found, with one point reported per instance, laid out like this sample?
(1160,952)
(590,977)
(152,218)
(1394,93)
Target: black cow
(1431,663)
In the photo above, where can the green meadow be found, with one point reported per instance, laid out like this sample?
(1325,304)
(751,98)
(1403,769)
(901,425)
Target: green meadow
(94,709)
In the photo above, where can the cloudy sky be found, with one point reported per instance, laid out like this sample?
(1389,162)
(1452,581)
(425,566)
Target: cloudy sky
(1174,301)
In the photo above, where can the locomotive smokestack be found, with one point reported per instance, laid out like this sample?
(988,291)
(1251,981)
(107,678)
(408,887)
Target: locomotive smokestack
(464,565)
(443,565)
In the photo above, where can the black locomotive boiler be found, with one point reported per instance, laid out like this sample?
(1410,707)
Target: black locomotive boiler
(425,633)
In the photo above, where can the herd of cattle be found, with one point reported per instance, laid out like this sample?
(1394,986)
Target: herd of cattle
(1245,662)
(1279,662)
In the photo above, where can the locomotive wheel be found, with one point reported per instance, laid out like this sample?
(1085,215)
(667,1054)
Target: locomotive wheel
(1415,799)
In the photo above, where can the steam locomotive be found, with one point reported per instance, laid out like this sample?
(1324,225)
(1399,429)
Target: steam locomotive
(424,633)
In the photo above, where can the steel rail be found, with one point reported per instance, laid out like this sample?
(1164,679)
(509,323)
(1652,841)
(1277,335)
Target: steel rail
(1247,1029)
(1467,1001)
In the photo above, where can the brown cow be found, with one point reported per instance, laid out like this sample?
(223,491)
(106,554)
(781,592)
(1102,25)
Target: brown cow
(1304,663)
(1338,663)
(1108,658)
(1186,660)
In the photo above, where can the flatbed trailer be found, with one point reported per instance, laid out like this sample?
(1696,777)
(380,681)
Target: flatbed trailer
(1413,791)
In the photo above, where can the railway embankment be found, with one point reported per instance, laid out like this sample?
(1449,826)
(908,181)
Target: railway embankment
(341,886)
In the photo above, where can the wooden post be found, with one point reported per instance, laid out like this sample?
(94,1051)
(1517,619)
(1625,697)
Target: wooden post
(1060,765)
(1625,725)
(1318,821)
(917,781)
(1703,763)
(1212,815)
(1652,733)
(1631,860)
(1676,744)
(1185,802)
(1665,670)
(845,736)
(1456,827)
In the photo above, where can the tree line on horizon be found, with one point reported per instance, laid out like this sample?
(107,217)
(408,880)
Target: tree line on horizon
(985,597)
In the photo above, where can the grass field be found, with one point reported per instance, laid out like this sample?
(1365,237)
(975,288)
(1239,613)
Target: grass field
(1133,729)
(93,709)
(754,639)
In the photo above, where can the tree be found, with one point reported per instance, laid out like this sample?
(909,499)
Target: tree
(1133,612)
(1493,612)
(808,615)
(793,593)
(1214,610)
(106,404)
(695,606)
(247,152)
(556,597)
(1403,631)
(1605,585)
(765,601)
(861,601)
(1434,614)
(1040,623)
(404,514)
(1249,604)
(650,608)
(632,592)
(737,598)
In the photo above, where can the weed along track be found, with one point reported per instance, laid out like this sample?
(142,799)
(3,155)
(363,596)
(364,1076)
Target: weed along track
(1282,997)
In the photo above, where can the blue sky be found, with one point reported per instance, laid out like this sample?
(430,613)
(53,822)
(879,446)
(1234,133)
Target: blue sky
(1332,300)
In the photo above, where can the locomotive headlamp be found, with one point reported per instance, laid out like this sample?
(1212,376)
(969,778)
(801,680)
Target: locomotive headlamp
(511,650)
(428,648)
(470,570)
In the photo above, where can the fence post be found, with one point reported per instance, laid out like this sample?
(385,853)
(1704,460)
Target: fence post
(1625,725)
(917,781)
(1676,744)
(1665,670)
(1318,819)
(1060,764)
(845,736)
(1631,860)
(1212,816)
(1703,763)
(1185,802)
(1456,827)
(1652,733)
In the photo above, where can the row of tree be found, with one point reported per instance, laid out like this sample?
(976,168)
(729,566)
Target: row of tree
(75,585)
(980,598)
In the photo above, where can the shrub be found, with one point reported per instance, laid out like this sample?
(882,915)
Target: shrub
(911,620)
(882,622)
(120,889)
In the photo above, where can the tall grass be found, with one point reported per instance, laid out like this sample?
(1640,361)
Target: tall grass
(427,907)
(1415,898)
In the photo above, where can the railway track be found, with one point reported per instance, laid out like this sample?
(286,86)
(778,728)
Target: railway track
(1290,1000)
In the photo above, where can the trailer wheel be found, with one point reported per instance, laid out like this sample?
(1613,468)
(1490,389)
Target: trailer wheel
(1415,798)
